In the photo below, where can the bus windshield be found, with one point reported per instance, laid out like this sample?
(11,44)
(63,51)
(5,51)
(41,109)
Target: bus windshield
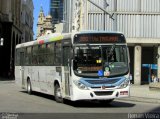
(100,60)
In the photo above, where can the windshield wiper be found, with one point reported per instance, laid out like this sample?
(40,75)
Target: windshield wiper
(111,53)
(111,50)
(110,56)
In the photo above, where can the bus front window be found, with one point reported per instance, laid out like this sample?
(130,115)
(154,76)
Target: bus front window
(89,60)
(86,60)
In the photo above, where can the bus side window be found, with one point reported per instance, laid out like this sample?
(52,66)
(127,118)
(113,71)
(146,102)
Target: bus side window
(41,54)
(34,56)
(58,49)
(49,54)
(28,56)
(66,55)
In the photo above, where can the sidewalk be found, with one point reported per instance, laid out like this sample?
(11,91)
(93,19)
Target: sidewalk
(142,93)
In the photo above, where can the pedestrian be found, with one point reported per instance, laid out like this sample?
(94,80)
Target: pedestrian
(154,78)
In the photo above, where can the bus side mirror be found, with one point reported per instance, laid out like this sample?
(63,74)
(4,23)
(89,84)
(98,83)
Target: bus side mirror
(130,77)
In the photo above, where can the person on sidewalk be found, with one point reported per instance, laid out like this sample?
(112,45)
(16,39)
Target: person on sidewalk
(154,78)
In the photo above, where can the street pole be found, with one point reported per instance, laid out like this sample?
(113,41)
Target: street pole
(80,16)
(110,15)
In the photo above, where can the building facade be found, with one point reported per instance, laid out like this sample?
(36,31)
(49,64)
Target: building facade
(56,11)
(27,20)
(10,34)
(139,20)
(44,25)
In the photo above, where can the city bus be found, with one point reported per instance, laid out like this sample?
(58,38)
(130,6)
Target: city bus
(89,65)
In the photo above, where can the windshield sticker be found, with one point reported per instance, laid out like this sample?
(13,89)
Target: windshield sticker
(107,69)
(107,73)
(100,73)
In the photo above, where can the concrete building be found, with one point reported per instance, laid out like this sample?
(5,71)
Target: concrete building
(27,20)
(44,25)
(139,20)
(10,33)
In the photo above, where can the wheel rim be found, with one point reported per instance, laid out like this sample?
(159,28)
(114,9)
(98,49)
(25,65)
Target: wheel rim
(29,87)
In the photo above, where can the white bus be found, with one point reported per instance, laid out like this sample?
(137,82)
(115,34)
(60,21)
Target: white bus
(75,66)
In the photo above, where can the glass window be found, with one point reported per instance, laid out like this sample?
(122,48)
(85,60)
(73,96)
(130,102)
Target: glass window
(49,56)
(58,53)
(89,60)
(35,56)
(41,52)
(66,55)
(43,55)
(28,57)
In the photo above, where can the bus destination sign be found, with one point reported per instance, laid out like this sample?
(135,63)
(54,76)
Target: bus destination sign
(99,38)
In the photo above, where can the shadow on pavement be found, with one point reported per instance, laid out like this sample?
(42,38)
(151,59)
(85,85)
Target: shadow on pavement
(87,104)
(156,110)
(49,97)
(6,79)
(96,103)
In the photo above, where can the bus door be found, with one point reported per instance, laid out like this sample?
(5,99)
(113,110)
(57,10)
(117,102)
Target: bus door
(22,68)
(66,75)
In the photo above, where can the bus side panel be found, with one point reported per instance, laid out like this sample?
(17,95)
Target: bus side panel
(18,79)
(54,73)
(19,68)
(66,82)
(50,76)
(43,77)
(33,74)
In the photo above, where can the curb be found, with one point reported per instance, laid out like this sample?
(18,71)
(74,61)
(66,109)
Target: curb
(140,99)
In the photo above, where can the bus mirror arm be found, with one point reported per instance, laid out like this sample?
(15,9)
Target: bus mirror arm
(71,66)
(71,54)
(130,77)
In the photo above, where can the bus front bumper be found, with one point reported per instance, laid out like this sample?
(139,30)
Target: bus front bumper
(100,94)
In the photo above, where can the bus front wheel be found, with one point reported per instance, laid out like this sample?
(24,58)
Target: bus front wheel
(29,87)
(58,94)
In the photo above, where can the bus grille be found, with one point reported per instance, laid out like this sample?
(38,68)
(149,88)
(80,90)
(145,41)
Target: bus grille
(102,93)
(105,87)
(110,81)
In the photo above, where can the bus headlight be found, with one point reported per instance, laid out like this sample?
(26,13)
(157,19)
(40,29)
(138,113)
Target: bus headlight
(124,84)
(80,85)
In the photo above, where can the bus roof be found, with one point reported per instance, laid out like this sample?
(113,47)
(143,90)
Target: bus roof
(59,36)
(95,31)
(46,39)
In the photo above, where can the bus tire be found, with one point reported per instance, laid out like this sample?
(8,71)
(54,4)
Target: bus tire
(57,94)
(29,87)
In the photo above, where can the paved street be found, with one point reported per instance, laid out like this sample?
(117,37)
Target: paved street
(15,100)
(15,103)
